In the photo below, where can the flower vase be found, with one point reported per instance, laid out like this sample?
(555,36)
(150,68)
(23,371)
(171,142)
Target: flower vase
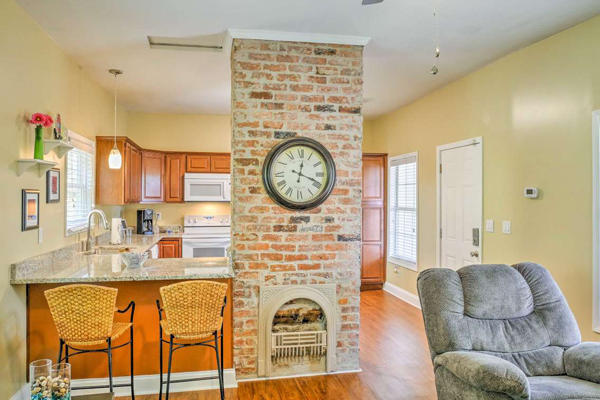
(38,152)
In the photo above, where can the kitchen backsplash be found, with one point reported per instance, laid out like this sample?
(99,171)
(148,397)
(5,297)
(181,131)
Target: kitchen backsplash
(172,214)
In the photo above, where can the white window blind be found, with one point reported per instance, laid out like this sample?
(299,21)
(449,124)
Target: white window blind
(80,183)
(402,247)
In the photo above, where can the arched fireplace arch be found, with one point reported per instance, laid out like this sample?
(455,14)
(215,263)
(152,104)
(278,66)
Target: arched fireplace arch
(273,297)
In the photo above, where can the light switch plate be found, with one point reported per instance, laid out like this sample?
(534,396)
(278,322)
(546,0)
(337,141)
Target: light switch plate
(40,235)
(489,225)
(506,227)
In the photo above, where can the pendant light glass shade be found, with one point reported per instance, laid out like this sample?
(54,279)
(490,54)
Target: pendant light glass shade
(115,160)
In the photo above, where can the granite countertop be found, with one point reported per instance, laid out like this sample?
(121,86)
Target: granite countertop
(69,265)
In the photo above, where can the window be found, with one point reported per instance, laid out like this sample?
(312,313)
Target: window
(402,248)
(80,183)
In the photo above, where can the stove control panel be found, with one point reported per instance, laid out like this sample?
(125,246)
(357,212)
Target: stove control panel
(206,220)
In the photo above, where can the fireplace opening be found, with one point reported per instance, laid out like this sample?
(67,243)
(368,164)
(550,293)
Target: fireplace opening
(298,338)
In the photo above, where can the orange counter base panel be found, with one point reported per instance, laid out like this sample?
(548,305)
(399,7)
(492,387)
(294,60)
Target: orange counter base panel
(42,338)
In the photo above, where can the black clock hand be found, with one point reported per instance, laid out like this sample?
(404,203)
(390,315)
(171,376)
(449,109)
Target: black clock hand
(307,177)
(300,172)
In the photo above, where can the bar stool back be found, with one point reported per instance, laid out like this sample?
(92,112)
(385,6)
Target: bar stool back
(194,311)
(84,316)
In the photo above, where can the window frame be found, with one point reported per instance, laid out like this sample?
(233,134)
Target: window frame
(87,145)
(596,218)
(412,266)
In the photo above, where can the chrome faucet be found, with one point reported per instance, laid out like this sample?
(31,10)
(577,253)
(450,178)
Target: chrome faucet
(88,242)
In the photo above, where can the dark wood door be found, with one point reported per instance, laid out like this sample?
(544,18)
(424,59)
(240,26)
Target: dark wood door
(198,163)
(175,170)
(135,177)
(374,178)
(220,164)
(153,172)
(169,248)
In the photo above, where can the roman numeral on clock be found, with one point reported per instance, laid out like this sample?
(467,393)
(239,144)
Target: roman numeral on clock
(289,192)
(298,195)
(317,164)
(279,174)
(281,184)
(320,174)
(317,184)
(290,155)
(301,153)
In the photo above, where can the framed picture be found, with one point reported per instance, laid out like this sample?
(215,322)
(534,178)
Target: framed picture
(31,209)
(53,186)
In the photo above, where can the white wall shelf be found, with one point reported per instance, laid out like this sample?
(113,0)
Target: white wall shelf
(26,163)
(60,147)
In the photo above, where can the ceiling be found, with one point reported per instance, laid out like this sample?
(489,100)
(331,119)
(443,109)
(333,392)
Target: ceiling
(106,34)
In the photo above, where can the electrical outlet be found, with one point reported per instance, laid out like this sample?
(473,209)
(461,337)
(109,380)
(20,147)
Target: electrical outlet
(489,225)
(40,235)
(506,227)
(158,216)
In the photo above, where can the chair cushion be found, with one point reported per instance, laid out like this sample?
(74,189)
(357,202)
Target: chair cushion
(562,388)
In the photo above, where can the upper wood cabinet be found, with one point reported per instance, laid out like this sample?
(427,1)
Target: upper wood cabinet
(118,186)
(219,163)
(175,170)
(198,163)
(153,173)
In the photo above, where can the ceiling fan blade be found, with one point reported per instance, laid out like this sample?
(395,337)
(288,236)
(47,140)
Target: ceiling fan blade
(369,2)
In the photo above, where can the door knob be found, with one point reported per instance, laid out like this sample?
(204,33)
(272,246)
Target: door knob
(475,253)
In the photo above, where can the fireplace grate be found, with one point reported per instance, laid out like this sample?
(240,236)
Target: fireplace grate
(298,344)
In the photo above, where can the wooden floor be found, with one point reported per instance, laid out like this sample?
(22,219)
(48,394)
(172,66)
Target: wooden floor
(393,356)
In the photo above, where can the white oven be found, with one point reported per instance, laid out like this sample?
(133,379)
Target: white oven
(206,236)
(207,187)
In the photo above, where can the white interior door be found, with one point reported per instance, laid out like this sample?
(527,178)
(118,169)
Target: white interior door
(460,202)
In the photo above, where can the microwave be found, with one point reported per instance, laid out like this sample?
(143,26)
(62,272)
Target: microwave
(207,187)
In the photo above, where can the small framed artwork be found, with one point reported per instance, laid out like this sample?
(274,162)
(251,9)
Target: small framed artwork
(31,209)
(53,186)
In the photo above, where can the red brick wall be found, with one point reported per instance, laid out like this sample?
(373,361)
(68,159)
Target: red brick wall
(282,90)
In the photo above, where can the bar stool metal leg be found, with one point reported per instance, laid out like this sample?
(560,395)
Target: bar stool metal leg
(131,360)
(219,369)
(169,368)
(60,350)
(110,376)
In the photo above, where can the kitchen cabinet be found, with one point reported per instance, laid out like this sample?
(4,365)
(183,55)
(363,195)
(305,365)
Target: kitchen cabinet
(118,186)
(169,248)
(174,171)
(373,245)
(218,163)
(198,163)
(153,174)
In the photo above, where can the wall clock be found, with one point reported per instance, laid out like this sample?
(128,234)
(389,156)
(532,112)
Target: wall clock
(299,173)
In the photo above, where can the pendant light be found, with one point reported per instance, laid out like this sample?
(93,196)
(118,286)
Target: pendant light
(114,159)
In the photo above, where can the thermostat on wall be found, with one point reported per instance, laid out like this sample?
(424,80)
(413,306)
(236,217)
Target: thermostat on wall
(532,193)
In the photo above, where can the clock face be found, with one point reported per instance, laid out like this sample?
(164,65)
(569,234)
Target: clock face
(299,173)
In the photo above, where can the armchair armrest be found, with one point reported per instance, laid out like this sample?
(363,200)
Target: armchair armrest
(486,372)
(583,362)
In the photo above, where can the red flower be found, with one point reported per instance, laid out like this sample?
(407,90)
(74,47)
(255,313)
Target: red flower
(49,121)
(38,119)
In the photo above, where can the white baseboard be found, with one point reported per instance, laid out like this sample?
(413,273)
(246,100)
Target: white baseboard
(22,394)
(270,378)
(402,294)
(149,384)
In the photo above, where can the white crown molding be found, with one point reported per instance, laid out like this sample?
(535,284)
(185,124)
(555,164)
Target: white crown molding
(148,384)
(402,294)
(290,37)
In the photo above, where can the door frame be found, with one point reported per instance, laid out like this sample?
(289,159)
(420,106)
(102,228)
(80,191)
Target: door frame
(438,194)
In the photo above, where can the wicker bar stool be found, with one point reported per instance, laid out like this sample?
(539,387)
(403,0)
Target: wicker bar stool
(194,312)
(84,316)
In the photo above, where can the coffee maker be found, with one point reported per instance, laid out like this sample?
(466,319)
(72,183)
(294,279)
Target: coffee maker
(145,219)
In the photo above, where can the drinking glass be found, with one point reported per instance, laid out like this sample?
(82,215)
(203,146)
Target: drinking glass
(61,381)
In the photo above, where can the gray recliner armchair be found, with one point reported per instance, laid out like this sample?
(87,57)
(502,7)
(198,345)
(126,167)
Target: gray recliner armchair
(497,332)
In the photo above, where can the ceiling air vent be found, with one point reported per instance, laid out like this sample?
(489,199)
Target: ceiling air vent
(205,43)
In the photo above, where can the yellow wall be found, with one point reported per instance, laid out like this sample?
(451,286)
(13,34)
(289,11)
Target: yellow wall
(36,76)
(179,132)
(534,111)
